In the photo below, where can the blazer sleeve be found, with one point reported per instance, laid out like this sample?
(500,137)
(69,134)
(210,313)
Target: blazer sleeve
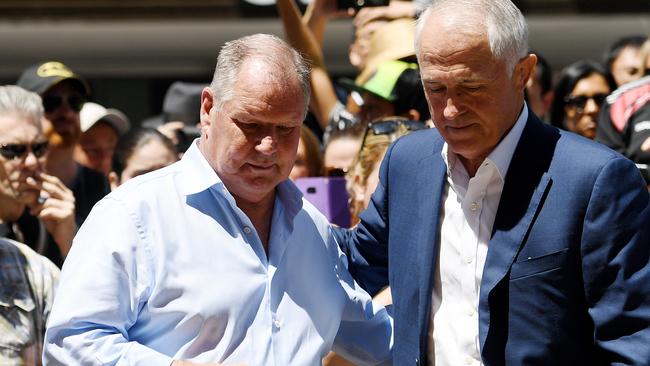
(615,264)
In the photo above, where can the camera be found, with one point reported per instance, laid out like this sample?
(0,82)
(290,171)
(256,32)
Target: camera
(358,4)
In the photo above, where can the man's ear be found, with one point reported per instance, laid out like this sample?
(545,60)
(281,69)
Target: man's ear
(207,103)
(524,70)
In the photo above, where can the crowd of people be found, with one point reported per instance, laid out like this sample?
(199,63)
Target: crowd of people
(499,208)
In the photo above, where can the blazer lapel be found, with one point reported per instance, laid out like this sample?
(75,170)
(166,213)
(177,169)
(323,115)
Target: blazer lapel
(525,187)
(431,181)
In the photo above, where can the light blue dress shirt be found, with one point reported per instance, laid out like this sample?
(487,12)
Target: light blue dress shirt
(168,267)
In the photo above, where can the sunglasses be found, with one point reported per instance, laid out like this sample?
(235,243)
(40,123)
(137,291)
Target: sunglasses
(53,101)
(579,102)
(389,126)
(19,151)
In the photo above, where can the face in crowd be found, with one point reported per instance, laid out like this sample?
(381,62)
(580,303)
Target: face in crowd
(474,97)
(251,140)
(62,104)
(23,150)
(96,147)
(583,104)
(626,67)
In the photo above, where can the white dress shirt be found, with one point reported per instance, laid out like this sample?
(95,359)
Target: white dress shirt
(168,267)
(469,209)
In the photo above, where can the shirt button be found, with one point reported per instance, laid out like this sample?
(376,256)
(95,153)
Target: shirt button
(473,206)
(277,324)
(468,259)
(247,230)
(470,312)
(468,360)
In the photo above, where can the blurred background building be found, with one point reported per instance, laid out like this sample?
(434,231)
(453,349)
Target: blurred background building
(131,50)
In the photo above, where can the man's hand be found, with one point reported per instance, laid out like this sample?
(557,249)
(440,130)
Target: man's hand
(188,363)
(56,208)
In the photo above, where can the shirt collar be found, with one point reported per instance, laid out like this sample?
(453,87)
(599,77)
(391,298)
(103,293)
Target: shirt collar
(198,176)
(502,153)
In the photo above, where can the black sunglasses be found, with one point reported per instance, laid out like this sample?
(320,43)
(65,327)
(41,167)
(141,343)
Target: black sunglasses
(579,102)
(18,151)
(388,126)
(53,101)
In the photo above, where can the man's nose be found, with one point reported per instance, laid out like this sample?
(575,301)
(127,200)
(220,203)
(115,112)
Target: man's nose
(31,161)
(451,109)
(267,145)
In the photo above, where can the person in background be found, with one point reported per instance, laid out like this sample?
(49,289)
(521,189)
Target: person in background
(363,177)
(580,92)
(224,220)
(341,148)
(624,123)
(539,89)
(393,89)
(373,44)
(309,157)
(64,94)
(140,151)
(45,222)
(504,240)
(180,114)
(623,57)
(27,280)
(101,129)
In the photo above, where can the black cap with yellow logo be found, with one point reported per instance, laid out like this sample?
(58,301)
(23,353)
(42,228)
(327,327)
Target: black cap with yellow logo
(40,78)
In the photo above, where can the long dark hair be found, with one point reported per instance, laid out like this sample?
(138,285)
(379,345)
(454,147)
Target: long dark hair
(569,77)
(132,141)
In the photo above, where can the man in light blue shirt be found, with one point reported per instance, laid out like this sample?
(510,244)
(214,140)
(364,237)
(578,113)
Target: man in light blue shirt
(217,258)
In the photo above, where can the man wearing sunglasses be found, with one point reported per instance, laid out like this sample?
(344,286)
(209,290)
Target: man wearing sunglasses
(505,241)
(63,93)
(38,209)
(27,280)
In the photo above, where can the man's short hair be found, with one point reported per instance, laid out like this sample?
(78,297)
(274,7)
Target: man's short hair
(15,100)
(273,50)
(505,25)
(614,50)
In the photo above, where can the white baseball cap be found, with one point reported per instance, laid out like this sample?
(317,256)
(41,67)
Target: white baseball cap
(91,113)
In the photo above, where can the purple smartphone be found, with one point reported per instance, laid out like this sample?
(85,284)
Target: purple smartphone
(329,196)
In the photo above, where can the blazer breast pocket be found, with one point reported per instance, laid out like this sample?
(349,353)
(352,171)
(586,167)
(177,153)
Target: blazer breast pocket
(531,266)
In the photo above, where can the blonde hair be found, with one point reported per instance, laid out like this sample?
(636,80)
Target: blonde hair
(371,152)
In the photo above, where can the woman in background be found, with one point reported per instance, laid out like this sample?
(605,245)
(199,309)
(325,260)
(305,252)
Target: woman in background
(579,94)
(363,176)
(140,151)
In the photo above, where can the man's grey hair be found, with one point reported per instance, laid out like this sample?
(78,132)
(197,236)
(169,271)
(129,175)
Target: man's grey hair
(269,48)
(506,27)
(15,100)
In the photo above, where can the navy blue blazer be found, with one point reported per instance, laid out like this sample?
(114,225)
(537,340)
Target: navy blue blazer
(566,279)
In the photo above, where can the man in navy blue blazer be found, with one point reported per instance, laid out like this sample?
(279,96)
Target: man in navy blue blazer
(504,240)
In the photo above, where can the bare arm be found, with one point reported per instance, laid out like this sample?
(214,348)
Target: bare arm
(300,36)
